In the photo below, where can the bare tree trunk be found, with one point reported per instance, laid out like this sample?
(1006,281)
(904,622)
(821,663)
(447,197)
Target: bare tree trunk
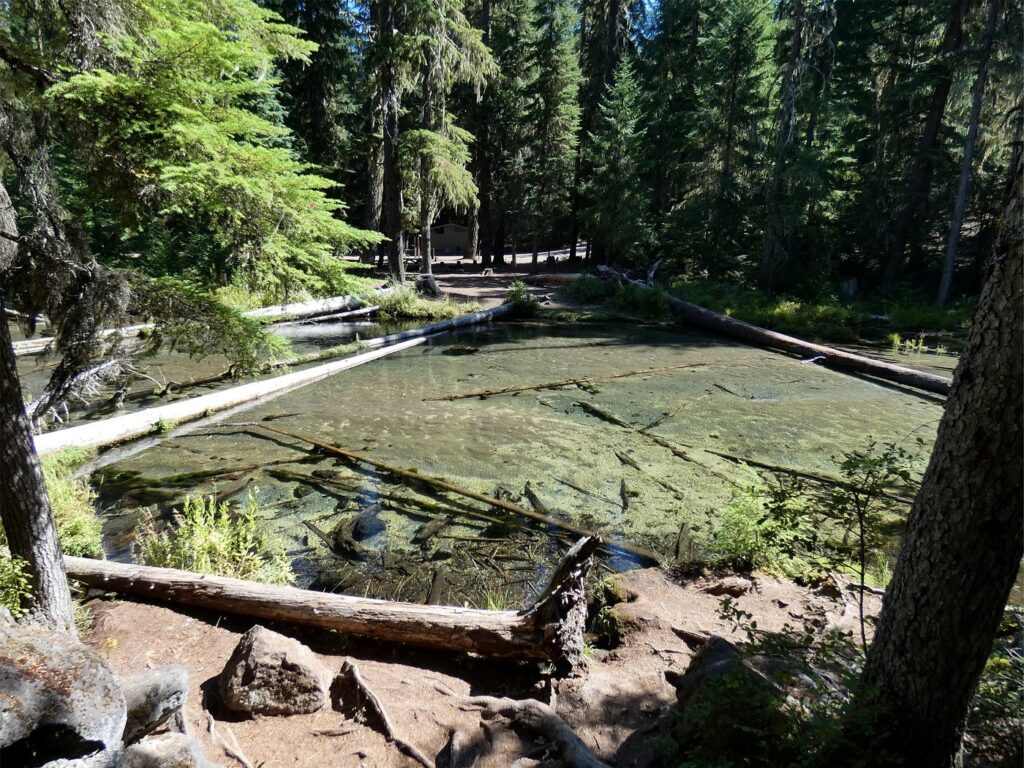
(919,176)
(778,244)
(964,540)
(375,156)
(395,246)
(24,506)
(474,232)
(426,256)
(964,186)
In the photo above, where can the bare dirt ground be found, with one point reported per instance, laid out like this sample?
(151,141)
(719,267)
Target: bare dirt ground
(610,703)
(490,290)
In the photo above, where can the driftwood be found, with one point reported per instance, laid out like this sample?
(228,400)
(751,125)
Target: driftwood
(563,383)
(761,337)
(540,718)
(444,485)
(549,630)
(373,710)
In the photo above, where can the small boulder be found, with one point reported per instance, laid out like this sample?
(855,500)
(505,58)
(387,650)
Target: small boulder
(270,674)
(734,586)
(169,750)
(152,697)
(59,701)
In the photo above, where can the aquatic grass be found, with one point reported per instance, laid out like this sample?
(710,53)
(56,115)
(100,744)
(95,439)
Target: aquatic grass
(403,303)
(207,537)
(73,502)
(588,290)
(645,303)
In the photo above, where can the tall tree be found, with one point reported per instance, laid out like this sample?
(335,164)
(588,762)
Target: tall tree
(906,218)
(967,163)
(617,217)
(554,114)
(964,541)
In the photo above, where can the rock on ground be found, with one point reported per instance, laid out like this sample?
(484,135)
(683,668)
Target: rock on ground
(170,750)
(152,697)
(270,674)
(58,701)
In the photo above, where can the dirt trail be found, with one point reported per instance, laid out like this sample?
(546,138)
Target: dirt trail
(620,692)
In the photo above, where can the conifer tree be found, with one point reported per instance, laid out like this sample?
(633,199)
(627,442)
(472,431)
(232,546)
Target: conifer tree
(554,114)
(617,217)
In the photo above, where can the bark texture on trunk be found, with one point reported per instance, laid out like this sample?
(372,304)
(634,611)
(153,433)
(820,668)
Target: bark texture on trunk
(24,506)
(964,540)
(964,185)
(919,176)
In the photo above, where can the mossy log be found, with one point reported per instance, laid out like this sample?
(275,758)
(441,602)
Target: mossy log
(704,318)
(549,630)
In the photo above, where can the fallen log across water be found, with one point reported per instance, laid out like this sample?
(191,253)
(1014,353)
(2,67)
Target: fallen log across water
(484,394)
(443,485)
(549,630)
(709,320)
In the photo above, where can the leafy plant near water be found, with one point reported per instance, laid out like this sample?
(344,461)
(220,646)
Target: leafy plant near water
(996,718)
(519,295)
(14,582)
(73,502)
(645,303)
(208,537)
(402,302)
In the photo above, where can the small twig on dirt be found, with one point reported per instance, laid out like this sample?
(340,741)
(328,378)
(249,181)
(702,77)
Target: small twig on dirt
(734,394)
(539,717)
(232,751)
(334,732)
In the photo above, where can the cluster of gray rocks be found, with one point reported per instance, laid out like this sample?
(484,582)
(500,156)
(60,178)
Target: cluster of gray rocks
(61,706)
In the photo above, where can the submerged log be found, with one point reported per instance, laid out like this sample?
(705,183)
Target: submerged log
(762,337)
(550,630)
(578,382)
(444,485)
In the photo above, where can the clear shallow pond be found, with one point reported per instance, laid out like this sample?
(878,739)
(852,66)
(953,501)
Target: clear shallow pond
(579,467)
(166,366)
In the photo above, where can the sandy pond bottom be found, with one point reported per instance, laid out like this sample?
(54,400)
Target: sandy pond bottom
(577,466)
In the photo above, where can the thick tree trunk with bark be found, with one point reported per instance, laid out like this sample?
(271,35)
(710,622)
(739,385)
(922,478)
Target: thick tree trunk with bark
(964,540)
(964,186)
(24,507)
(919,176)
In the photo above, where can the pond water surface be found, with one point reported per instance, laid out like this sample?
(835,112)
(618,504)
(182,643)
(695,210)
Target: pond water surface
(603,455)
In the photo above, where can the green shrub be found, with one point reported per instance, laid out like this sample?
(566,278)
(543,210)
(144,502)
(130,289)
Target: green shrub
(403,303)
(589,290)
(760,529)
(206,537)
(73,502)
(14,582)
(996,717)
(519,295)
(645,303)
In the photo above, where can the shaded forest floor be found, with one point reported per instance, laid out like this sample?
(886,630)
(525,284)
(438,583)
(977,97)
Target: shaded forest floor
(614,704)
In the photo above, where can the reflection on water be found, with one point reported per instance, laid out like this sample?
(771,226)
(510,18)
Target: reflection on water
(575,453)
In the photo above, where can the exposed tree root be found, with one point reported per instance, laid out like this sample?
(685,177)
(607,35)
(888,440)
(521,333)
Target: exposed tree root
(540,718)
(374,708)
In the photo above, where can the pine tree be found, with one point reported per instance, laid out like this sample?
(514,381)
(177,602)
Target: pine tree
(617,218)
(554,114)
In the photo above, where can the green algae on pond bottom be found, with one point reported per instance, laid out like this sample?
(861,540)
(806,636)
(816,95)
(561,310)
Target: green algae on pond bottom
(568,443)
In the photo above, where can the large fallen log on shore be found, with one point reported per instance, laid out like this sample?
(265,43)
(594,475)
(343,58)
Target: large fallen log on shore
(761,337)
(549,630)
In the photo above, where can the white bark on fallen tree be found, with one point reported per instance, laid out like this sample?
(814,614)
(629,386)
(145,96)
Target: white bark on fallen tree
(119,429)
(549,630)
(830,356)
